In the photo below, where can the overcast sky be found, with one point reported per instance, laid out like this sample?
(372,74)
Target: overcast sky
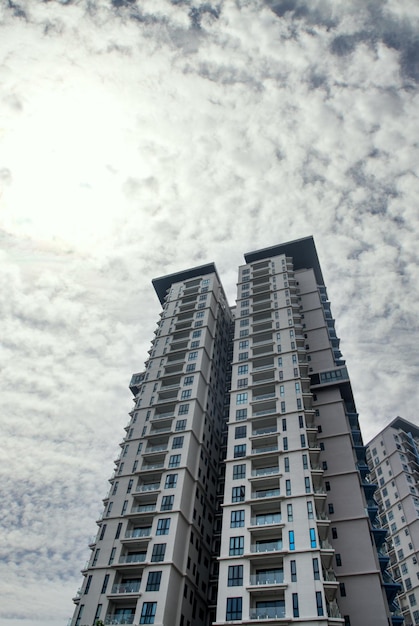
(138,138)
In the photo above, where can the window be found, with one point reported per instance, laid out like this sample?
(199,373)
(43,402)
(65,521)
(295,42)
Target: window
(412,599)
(236,546)
(241,398)
(163,526)
(159,550)
(177,442)
(284,424)
(194,344)
(331,508)
(307,484)
(174,460)
(237,519)
(196,333)
(239,450)
(238,494)
(289,513)
(167,503)
(89,582)
(243,369)
(303,441)
(186,393)
(244,333)
(282,391)
(319,603)
(316,569)
(105,583)
(240,432)
(241,414)
(112,556)
(153,581)
(305,461)
(293,567)
(115,487)
(235,576)
(79,616)
(192,356)
(234,609)
(239,471)
(288,487)
(285,443)
(148,612)
(98,612)
(242,382)
(124,507)
(130,483)
(188,380)
(243,356)
(334,533)
(171,481)
(244,322)
(286,464)
(243,344)
(95,558)
(283,408)
(338,559)
(180,425)
(313,540)
(291,538)
(295,611)
(190,367)
(310,512)
(102,532)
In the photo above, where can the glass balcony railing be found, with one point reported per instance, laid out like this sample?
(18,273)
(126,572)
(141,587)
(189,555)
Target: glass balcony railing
(268,546)
(275,577)
(143,508)
(264,449)
(265,471)
(133,558)
(132,587)
(138,532)
(266,493)
(268,613)
(269,518)
(119,619)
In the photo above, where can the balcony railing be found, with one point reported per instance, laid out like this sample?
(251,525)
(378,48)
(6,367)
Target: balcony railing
(148,487)
(132,558)
(265,431)
(119,619)
(269,518)
(275,577)
(161,448)
(264,412)
(138,532)
(265,471)
(266,493)
(270,546)
(143,508)
(126,587)
(268,613)
(264,449)
(264,396)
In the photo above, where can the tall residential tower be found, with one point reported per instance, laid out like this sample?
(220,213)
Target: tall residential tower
(241,493)
(393,457)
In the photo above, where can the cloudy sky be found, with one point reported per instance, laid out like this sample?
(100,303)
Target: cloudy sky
(141,137)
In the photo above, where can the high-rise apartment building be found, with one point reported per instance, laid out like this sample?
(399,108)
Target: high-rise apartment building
(241,493)
(393,458)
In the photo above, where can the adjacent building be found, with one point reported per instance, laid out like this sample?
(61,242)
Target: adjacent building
(241,493)
(393,458)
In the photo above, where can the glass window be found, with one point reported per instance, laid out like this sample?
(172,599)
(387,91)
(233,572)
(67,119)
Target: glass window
(235,576)
(148,612)
(167,503)
(291,538)
(159,551)
(237,519)
(153,581)
(236,546)
(180,425)
(238,494)
(163,526)
(234,609)
(243,369)
(316,569)
(240,432)
(293,567)
(171,481)
(319,603)
(295,610)
(174,460)
(241,414)
(313,540)
(241,398)
(239,471)
(240,451)
(186,393)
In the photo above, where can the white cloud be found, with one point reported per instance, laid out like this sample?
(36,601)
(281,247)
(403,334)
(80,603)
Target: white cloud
(136,142)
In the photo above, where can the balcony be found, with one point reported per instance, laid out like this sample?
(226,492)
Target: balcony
(267,519)
(265,493)
(264,396)
(333,610)
(132,558)
(119,619)
(261,547)
(265,431)
(138,533)
(160,448)
(132,587)
(143,508)
(148,487)
(265,449)
(268,577)
(265,471)
(267,613)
